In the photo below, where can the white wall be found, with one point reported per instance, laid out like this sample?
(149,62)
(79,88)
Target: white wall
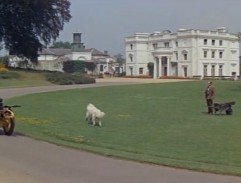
(190,41)
(81,56)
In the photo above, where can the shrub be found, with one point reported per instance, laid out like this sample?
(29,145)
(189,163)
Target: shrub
(140,76)
(74,66)
(9,75)
(69,79)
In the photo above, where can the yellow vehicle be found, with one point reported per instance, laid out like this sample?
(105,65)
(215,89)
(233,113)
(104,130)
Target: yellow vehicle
(7,118)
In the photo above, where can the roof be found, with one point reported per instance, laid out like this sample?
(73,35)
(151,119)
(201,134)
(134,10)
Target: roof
(55,51)
(96,52)
(62,52)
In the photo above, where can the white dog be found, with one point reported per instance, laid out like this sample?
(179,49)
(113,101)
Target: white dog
(90,108)
(94,115)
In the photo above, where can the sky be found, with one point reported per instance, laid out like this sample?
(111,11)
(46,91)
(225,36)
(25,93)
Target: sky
(105,24)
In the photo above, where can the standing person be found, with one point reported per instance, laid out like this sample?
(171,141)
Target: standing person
(209,96)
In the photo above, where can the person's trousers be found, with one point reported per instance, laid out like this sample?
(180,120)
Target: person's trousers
(210,105)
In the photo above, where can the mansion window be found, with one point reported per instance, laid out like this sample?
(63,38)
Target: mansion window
(176,44)
(101,68)
(205,53)
(141,70)
(166,45)
(154,45)
(131,57)
(205,41)
(131,71)
(205,70)
(220,70)
(220,54)
(220,42)
(213,70)
(131,46)
(185,71)
(213,42)
(213,54)
(185,56)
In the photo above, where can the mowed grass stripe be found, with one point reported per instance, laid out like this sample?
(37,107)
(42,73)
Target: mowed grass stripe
(158,123)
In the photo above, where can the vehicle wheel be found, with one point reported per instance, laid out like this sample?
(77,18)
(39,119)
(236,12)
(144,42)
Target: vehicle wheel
(8,130)
(229,111)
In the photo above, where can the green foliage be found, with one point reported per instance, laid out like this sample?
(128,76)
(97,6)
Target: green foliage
(4,60)
(68,79)
(120,59)
(150,67)
(74,66)
(26,24)
(9,75)
(68,66)
(90,66)
(24,78)
(60,44)
(157,123)
(79,66)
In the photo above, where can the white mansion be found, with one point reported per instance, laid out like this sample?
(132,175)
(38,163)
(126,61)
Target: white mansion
(187,53)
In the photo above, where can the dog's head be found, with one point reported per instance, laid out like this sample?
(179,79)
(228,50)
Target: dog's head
(101,114)
(90,105)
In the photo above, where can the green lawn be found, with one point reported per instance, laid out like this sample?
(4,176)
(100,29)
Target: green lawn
(27,78)
(162,124)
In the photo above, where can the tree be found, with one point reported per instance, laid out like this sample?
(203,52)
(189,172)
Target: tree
(27,25)
(61,44)
(74,66)
(4,60)
(119,59)
(90,66)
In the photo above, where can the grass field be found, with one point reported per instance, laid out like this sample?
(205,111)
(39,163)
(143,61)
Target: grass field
(27,78)
(163,124)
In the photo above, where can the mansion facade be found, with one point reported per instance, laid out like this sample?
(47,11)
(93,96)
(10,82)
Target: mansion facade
(186,53)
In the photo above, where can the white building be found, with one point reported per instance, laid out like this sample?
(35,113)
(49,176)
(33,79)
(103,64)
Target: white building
(187,53)
(51,59)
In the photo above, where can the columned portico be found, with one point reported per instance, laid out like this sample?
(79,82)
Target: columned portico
(163,66)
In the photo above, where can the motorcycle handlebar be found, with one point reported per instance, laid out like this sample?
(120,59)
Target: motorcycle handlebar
(6,106)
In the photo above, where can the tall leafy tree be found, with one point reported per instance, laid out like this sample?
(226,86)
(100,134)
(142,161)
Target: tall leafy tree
(119,58)
(27,25)
(60,44)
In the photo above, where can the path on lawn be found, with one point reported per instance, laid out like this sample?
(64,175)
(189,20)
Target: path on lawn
(25,160)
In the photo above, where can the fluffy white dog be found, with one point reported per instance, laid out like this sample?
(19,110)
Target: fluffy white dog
(90,108)
(94,115)
(97,115)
